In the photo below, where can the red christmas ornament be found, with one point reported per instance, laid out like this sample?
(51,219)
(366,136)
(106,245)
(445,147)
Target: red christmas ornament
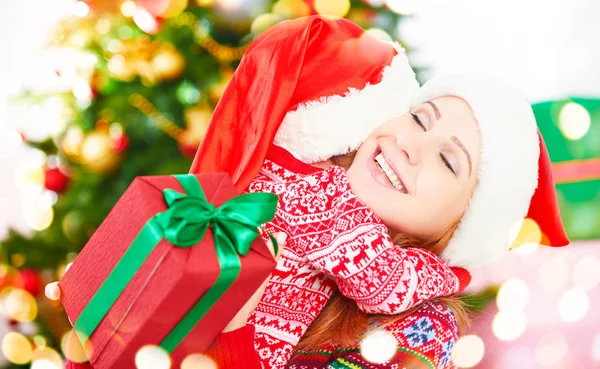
(119,143)
(56,180)
(28,280)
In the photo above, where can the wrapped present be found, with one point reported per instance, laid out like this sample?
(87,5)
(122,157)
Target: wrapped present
(171,265)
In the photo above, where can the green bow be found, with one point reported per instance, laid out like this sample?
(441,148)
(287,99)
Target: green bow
(234,224)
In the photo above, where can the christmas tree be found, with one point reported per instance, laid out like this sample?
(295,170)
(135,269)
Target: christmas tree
(143,80)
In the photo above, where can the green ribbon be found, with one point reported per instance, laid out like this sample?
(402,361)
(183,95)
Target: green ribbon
(234,225)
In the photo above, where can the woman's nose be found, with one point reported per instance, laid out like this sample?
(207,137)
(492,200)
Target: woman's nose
(410,144)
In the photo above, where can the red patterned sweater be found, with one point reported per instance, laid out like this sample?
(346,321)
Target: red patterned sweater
(334,241)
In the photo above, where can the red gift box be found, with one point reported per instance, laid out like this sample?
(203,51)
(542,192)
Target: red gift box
(169,282)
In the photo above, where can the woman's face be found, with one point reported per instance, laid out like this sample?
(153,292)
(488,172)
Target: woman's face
(431,156)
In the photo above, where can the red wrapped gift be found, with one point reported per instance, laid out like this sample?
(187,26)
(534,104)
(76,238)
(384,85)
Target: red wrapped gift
(155,272)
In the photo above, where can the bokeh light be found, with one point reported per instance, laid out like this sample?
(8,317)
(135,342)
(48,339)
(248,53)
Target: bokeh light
(103,26)
(152,357)
(378,347)
(72,349)
(174,8)
(574,121)
(553,274)
(513,295)
(44,364)
(573,305)
(338,8)
(114,46)
(403,6)
(290,9)
(38,213)
(19,305)
(128,8)
(198,361)
(125,32)
(586,273)
(509,325)
(468,351)
(39,340)
(30,178)
(80,9)
(551,349)
(16,348)
(46,358)
(145,21)
(264,22)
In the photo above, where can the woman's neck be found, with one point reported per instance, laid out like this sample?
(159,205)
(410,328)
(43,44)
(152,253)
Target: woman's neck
(323,164)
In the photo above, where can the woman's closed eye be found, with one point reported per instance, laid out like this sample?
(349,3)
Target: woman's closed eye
(418,121)
(443,157)
(447,163)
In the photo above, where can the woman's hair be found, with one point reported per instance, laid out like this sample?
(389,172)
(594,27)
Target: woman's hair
(342,323)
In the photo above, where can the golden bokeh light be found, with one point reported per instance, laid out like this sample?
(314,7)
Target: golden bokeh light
(46,358)
(174,8)
(338,8)
(39,340)
(264,22)
(72,349)
(128,8)
(38,215)
(16,348)
(290,9)
(20,305)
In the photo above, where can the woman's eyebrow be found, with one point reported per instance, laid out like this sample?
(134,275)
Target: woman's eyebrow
(435,109)
(464,149)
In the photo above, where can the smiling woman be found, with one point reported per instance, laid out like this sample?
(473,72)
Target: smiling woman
(386,241)
(415,172)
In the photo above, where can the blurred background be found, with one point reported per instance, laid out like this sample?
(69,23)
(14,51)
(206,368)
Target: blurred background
(94,93)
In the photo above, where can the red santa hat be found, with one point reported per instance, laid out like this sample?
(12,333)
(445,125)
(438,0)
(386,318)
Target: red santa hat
(316,86)
(319,86)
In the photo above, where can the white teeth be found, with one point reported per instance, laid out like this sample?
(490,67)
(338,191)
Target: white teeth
(392,177)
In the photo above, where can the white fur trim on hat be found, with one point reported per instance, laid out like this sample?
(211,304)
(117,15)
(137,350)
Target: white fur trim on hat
(335,125)
(508,165)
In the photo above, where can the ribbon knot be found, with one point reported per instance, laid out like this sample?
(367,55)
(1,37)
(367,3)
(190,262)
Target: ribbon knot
(235,223)
(187,219)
